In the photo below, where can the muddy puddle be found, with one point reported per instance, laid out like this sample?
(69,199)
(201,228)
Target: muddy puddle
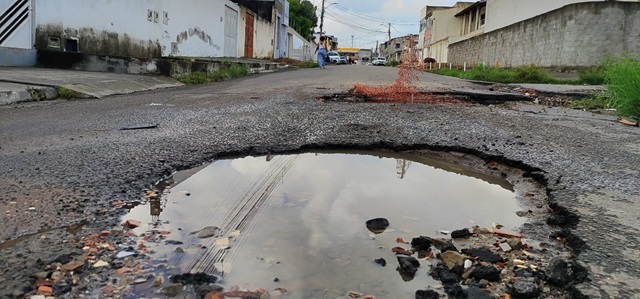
(294,225)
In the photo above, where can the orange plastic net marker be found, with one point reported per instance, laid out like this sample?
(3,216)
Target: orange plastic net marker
(404,89)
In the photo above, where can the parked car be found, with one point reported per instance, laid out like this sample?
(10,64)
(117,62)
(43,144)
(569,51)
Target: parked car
(342,60)
(379,61)
(334,57)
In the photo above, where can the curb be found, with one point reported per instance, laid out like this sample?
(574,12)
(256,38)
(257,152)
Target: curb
(30,93)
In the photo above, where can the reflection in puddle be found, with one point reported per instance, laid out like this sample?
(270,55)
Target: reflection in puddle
(298,222)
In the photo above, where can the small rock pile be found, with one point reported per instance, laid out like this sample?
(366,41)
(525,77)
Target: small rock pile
(490,263)
(536,97)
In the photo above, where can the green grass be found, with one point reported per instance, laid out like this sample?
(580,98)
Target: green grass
(592,76)
(237,70)
(393,63)
(65,93)
(600,101)
(228,71)
(526,74)
(622,77)
(307,64)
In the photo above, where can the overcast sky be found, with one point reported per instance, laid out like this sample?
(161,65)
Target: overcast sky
(368,20)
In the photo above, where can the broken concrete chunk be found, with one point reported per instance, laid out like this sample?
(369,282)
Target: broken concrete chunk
(123,254)
(100,263)
(505,247)
(207,232)
(451,259)
(72,265)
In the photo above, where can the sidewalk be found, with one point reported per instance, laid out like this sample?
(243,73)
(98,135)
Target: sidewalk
(29,84)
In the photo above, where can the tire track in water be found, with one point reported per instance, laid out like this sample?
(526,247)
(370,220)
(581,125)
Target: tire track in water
(240,218)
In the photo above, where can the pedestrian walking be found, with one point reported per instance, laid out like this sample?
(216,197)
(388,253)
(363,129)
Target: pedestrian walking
(321,49)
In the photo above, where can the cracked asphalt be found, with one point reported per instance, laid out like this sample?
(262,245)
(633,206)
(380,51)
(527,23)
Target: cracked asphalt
(64,162)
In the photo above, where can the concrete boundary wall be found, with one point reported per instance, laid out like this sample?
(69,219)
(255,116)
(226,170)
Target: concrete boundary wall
(576,35)
(17,57)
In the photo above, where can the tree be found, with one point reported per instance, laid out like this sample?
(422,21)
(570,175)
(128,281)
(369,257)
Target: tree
(302,17)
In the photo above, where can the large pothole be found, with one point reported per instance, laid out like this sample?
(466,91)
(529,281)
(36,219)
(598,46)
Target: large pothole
(294,226)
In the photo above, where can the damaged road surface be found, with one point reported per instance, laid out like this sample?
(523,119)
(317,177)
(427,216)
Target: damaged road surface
(69,169)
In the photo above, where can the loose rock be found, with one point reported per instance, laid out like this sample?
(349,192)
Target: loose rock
(427,294)
(490,273)
(484,254)
(478,293)
(207,232)
(381,261)
(408,265)
(525,289)
(377,225)
(442,273)
(461,234)
(421,243)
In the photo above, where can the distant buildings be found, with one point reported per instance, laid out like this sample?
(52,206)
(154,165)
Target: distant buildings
(392,49)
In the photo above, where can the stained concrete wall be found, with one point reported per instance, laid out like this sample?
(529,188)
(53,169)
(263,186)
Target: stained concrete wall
(264,38)
(299,47)
(141,28)
(502,13)
(17,57)
(576,35)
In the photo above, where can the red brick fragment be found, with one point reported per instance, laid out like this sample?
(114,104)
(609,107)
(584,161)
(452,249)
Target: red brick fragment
(131,223)
(400,250)
(401,240)
(46,290)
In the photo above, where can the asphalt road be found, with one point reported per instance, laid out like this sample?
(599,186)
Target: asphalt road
(62,162)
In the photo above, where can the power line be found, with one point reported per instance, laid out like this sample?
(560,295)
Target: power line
(372,18)
(358,22)
(354,26)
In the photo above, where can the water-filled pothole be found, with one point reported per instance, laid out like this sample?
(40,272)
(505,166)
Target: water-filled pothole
(449,96)
(297,222)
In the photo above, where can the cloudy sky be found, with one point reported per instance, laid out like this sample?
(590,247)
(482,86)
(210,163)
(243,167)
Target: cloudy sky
(368,20)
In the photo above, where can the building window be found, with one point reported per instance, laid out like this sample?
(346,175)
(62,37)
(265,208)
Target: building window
(483,13)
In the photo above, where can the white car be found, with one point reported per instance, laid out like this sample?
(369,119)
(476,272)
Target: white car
(379,61)
(334,57)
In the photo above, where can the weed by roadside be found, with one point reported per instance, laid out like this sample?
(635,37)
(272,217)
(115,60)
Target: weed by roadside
(525,74)
(599,101)
(622,78)
(592,76)
(227,72)
(307,64)
(66,93)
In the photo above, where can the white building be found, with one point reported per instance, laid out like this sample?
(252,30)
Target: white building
(441,27)
(143,28)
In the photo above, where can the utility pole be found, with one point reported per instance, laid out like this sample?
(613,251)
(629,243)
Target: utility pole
(377,54)
(322,18)
(352,41)
(389,32)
